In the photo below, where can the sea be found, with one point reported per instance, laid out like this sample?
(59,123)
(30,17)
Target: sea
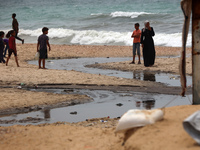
(94,22)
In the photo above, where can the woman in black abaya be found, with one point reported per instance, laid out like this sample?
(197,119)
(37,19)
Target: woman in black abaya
(148,45)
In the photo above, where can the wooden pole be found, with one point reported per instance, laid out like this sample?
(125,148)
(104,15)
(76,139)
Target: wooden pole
(196,50)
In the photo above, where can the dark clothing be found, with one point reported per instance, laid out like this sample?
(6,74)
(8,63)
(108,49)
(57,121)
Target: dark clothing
(6,48)
(43,54)
(10,51)
(17,36)
(148,49)
(1,50)
(42,40)
(15,27)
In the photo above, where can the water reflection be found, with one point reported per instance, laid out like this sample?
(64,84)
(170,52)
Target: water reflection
(147,104)
(137,75)
(47,113)
(147,76)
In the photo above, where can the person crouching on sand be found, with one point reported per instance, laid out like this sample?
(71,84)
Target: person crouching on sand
(43,42)
(12,46)
(136,43)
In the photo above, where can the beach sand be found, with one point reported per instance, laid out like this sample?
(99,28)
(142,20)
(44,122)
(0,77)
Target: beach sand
(166,134)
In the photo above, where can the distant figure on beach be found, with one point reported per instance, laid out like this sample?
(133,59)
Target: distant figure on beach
(136,43)
(1,47)
(148,45)
(6,48)
(12,46)
(15,27)
(43,42)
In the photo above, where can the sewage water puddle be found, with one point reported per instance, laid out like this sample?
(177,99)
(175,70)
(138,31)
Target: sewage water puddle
(106,103)
(78,64)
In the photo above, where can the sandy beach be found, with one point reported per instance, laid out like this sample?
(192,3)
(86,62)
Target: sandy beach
(90,134)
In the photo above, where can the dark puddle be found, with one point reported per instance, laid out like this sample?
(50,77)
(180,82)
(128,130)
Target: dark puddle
(78,64)
(106,103)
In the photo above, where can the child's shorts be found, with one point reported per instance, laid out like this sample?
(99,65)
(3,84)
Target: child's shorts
(43,54)
(136,46)
(10,51)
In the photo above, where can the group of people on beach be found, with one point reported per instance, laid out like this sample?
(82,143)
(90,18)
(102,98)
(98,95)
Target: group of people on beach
(144,37)
(9,44)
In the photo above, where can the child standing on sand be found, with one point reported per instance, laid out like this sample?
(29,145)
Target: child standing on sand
(43,42)
(136,43)
(1,46)
(12,46)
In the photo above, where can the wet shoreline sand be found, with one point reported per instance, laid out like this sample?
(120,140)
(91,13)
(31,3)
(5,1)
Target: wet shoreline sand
(87,135)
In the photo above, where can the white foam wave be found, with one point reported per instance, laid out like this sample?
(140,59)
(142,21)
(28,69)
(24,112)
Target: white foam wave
(96,14)
(127,14)
(174,40)
(93,37)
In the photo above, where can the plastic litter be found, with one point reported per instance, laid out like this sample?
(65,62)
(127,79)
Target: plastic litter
(37,55)
(19,87)
(103,121)
(138,118)
(192,126)
(119,104)
(22,84)
(73,113)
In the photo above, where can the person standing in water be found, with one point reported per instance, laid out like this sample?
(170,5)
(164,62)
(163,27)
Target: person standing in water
(43,42)
(15,27)
(136,43)
(148,45)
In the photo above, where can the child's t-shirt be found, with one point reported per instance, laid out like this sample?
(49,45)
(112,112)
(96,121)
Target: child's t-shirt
(11,42)
(42,40)
(136,39)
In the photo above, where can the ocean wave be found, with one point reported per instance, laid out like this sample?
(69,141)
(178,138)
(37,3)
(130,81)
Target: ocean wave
(93,37)
(127,14)
(96,14)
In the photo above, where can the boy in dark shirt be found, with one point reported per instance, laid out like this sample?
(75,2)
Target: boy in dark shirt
(43,42)
(15,27)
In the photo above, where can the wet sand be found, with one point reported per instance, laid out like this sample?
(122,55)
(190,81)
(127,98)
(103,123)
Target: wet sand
(92,134)
(165,65)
